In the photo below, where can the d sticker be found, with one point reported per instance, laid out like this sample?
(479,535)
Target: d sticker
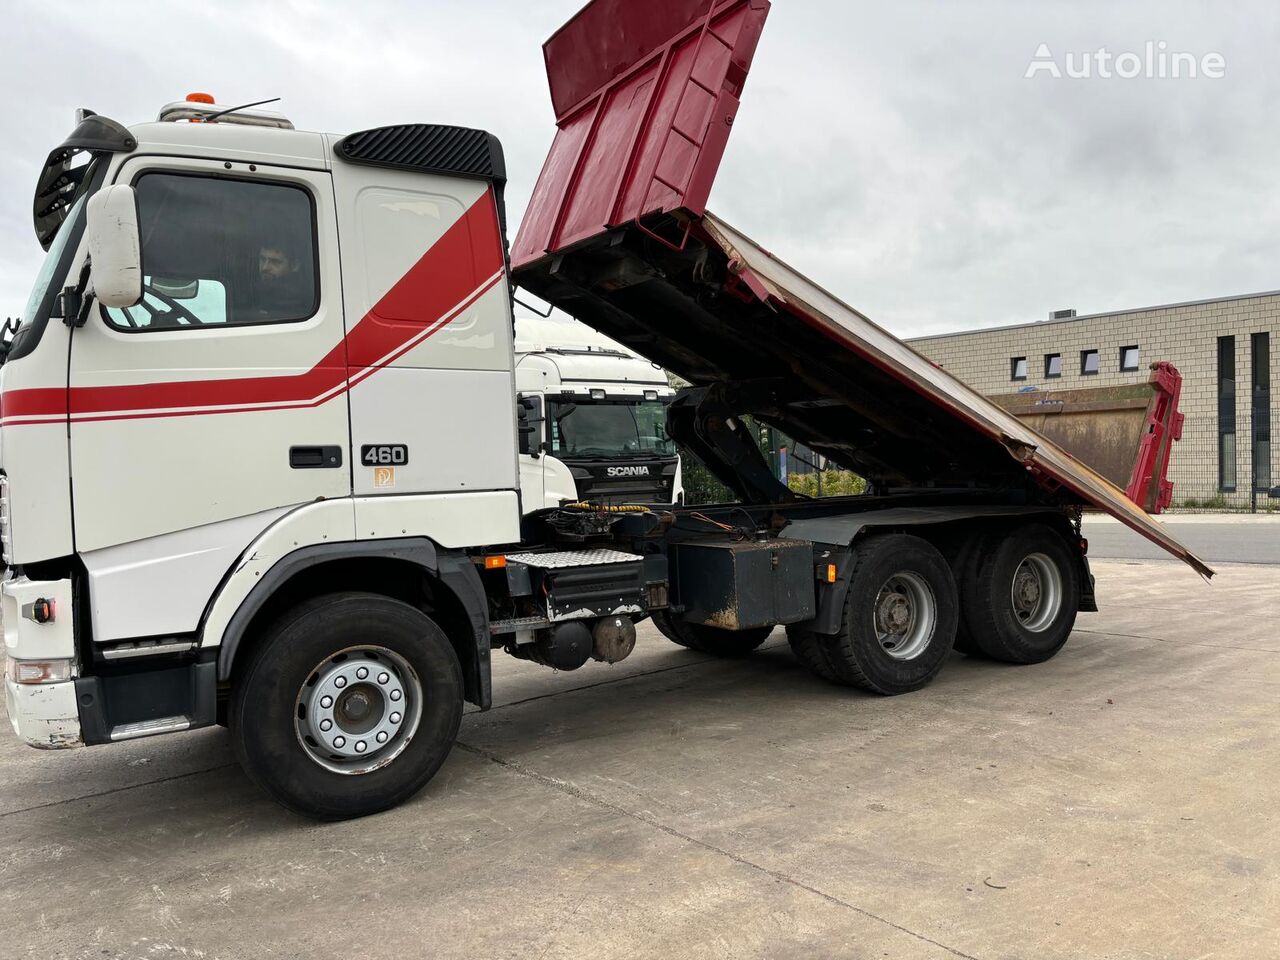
(384,476)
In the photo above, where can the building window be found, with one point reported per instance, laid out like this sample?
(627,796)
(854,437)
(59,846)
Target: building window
(1227,414)
(1088,363)
(1129,358)
(1017,368)
(1053,365)
(1260,350)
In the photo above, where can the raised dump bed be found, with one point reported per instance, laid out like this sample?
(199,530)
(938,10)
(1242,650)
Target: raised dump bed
(617,234)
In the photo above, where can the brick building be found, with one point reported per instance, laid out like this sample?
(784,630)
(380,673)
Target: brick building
(1225,349)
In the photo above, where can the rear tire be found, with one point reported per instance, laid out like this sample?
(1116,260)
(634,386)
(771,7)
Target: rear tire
(1020,603)
(710,640)
(348,706)
(899,619)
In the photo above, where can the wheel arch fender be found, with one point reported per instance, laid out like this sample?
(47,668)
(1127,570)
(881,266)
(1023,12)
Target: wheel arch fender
(453,588)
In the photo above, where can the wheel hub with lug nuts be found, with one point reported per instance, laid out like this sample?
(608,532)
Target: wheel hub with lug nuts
(1037,592)
(905,614)
(896,612)
(358,709)
(1027,588)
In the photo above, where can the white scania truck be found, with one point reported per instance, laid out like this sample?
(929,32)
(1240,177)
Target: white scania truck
(231,488)
(597,415)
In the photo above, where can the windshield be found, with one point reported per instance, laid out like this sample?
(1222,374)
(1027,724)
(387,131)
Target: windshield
(53,259)
(612,429)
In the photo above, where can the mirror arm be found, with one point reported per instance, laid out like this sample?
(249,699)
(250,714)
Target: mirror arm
(72,302)
(69,305)
(82,315)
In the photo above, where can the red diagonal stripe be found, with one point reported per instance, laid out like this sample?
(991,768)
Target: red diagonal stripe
(447,275)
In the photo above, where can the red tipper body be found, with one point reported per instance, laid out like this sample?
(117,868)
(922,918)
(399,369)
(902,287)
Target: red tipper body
(617,234)
(644,94)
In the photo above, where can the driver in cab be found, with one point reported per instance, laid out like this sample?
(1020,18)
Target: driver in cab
(283,291)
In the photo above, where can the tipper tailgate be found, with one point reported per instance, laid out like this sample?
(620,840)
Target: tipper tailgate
(645,92)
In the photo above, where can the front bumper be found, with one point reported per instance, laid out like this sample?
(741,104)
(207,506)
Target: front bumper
(43,715)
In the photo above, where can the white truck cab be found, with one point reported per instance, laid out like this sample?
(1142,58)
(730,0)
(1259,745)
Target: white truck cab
(598,416)
(246,341)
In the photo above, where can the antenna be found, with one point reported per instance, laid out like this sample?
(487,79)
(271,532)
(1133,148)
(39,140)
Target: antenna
(211,118)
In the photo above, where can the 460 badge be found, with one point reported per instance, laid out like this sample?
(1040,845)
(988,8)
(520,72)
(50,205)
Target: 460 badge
(384,454)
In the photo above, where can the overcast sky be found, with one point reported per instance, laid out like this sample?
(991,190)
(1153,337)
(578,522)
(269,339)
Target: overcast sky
(894,152)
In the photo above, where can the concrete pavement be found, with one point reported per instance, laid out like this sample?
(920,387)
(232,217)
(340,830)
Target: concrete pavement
(1116,802)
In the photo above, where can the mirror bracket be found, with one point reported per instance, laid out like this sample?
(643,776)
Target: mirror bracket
(69,305)
(82,315)
(73,305)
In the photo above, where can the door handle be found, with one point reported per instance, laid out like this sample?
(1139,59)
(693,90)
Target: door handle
(311,458)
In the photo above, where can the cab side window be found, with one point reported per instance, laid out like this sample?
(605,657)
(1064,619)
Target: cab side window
(222,252)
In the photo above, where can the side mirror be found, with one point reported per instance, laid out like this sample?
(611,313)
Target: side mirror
(115,252)
(528,425)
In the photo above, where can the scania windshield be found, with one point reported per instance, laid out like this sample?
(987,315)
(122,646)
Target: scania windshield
(586,429)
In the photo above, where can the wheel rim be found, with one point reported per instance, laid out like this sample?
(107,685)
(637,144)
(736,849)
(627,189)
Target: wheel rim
(905,615)
(358,709)
(1036,592)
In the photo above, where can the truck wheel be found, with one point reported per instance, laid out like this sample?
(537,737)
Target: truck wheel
(899,619)
(348,706)
(1021,602)
(712,640)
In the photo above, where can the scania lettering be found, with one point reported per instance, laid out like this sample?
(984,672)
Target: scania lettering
(261,437)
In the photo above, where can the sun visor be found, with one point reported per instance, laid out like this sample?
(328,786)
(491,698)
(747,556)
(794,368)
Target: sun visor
(59,181)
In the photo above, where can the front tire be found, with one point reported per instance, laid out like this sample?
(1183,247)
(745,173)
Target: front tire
(348,706)
(1020,603)
(711,640)
(898,624)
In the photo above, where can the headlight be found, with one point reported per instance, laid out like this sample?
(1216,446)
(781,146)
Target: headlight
(40,671)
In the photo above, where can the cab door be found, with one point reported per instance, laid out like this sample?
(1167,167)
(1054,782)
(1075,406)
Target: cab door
(222,395)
